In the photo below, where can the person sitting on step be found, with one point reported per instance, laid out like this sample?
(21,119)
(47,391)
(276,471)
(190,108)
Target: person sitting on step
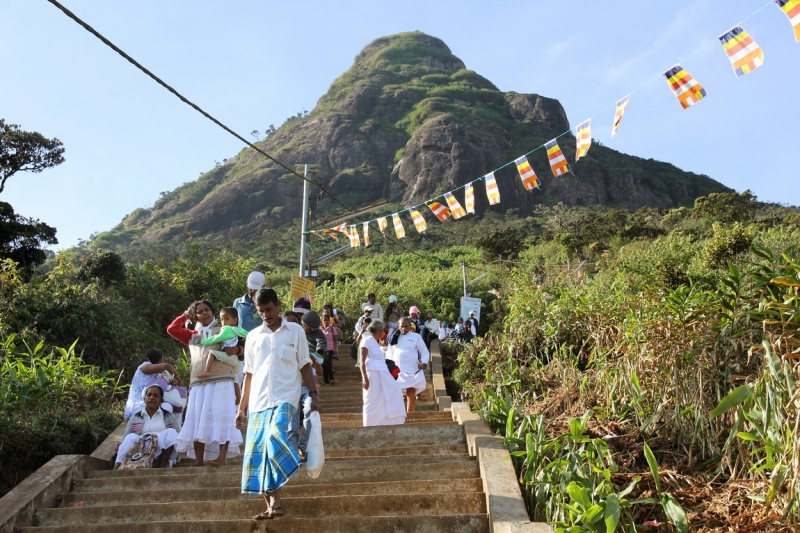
(152,420)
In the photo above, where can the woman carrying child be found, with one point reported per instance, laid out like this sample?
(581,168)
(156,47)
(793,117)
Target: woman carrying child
(209,430)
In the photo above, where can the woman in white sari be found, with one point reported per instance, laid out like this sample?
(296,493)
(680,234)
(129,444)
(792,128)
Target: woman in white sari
(383,399)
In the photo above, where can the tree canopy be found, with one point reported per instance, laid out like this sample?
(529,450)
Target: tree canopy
(21,238)
(26,151)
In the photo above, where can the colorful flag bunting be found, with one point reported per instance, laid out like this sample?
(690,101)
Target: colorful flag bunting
(526,173)
(742,50)
(469,199)
(583,134)
(686,89)
(792,10)
(382,223)
(366,234)
(398,226)
(341,228)
(621,105)
(557,160)
(441,212)
(419,221)
(355,242)
(330,234)
(455,208)
(492,192)
(317,234)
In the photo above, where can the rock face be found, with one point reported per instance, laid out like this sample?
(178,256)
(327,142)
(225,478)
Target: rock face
(407,122)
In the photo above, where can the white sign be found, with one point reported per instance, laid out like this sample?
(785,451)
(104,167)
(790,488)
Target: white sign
(470,304)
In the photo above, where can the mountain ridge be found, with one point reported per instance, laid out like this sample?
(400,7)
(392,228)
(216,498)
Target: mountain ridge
(406,122)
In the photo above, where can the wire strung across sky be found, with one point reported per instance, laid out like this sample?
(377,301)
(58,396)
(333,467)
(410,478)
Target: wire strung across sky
(197,108)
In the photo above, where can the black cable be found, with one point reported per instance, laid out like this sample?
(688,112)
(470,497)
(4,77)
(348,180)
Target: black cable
(197,108)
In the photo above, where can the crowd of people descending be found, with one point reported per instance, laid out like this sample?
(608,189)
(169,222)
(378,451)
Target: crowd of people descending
(260,368)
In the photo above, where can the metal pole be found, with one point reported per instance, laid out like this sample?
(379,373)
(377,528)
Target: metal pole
(305,225)
(464,276)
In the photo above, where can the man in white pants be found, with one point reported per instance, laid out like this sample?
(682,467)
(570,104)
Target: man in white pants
(411,356)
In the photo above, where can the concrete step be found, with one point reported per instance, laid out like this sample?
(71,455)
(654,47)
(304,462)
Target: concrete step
(209,477)
(341,462)
(467,523)
(456,503)
(429,486)
(434,415)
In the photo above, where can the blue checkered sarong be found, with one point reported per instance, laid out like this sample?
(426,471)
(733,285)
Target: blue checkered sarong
(269,459)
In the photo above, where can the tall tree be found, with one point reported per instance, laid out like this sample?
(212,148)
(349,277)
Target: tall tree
(22,239)
(26,151)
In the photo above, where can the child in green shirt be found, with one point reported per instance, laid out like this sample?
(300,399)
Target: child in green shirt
(229,337)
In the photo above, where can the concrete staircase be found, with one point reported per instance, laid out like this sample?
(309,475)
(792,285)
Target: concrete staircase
(418,477)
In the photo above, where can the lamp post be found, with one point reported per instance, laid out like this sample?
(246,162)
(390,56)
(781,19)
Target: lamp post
(304,232)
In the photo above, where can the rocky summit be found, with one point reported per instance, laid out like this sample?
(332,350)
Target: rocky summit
(407,121)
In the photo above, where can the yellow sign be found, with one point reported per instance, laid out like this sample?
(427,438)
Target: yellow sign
(302,287)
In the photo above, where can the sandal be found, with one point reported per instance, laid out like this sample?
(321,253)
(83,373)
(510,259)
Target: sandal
(270,513)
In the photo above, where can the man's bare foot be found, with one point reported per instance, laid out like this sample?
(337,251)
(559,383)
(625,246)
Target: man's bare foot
(204,374)
(198,463)
(217,462)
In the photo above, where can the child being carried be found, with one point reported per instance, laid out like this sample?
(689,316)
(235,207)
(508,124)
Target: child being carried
(229,337)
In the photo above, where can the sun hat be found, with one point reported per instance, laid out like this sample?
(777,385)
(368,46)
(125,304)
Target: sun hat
(392,299)
(368,308)
(414,309)
(255,280)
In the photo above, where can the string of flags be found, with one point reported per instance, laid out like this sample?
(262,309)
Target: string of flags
(742,51)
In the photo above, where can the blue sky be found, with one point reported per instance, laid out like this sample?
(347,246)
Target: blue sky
(253,63)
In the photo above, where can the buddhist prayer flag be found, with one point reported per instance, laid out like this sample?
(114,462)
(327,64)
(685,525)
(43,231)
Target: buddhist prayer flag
(382,223)
(398,226)
(355,242)
(686,89)
(330,234)
(526,173)
(492,192)
(557,160)
(742,50)
(583,134)
(317,234)
(792,10)
(621,105)
(455,208)
(419,221)
(469,199)
(441,212)
(366,233)
(341,228)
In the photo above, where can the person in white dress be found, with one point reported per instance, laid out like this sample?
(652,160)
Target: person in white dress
(411,356)
(383,399)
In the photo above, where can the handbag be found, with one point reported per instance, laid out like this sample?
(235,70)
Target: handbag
(141,454)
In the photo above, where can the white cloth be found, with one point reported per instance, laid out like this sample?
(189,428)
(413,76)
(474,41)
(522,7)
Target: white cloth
(205,331)
(377,310)
(443,333)
(135,402)
(166,438)
(154,424)
(275,359)
(211,418)
(383,401)
(409,351)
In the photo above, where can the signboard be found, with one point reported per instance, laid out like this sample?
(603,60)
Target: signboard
(470,304)
(302,287)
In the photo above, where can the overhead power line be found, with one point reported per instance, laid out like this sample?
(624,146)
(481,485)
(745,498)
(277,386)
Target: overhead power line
(197,108)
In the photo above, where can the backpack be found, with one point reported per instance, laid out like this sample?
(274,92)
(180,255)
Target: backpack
(141,454)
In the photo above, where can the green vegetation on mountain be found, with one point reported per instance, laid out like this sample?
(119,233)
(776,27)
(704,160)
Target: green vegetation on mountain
(406,122)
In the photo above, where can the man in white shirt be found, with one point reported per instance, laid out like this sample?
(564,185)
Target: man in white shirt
(275,358)
(411,357)
(431,330)
(377,310)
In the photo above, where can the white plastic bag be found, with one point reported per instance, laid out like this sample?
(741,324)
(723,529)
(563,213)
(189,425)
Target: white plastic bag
(315,453)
